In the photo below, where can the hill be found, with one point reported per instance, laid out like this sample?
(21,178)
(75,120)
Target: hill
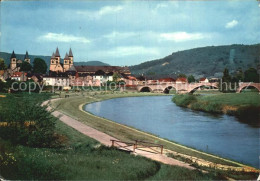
(205,61)
(6,57)
(91,63)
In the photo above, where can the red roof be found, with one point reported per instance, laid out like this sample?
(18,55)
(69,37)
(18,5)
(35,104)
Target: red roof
(167,80)
(131,78)
(19,74)
(181,79)
(202,79)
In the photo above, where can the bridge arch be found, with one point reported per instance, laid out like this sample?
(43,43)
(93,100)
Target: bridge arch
(146,89)
(168,89)
(248,86)
(203,85)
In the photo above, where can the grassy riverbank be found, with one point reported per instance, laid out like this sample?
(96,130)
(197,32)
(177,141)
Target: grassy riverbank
(245,106)
(76,156)
(70,106)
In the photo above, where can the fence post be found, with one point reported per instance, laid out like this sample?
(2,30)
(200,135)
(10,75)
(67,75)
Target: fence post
(112,143)
(161,149)
(134,148)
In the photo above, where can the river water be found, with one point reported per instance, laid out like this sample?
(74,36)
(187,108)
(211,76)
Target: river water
(221,135)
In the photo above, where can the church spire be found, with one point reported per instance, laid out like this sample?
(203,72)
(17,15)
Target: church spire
(57,53)
(53,56)
(26,55)
(13,55)
(70,53)
(66,57)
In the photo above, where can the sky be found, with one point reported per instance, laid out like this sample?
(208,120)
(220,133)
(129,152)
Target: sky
(125,32)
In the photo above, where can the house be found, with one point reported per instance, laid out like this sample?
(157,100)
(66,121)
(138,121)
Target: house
(56,81)
(204,80)
(169,79)
(19,76)
(131,80)
(181,80)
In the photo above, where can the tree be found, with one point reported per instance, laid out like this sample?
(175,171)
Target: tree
(116,76)
(39,66)
(2,64)
(191,78)
(226,77)
(182,75)
(239,76)
(251,75)
(26,67)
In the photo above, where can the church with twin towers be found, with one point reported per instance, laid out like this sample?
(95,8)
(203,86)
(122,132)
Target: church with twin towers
(55,62)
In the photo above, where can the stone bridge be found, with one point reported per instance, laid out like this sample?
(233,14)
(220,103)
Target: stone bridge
(179,87)
(189,87)
(245,85)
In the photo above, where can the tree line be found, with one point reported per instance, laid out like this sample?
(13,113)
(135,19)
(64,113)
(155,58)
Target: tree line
(39,66)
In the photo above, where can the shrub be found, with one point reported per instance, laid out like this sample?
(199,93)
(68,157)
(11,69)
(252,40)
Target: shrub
(27,122)
(184,100)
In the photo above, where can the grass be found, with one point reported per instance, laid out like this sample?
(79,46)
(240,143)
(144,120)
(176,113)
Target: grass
(245,106)
(70,106)
(82,158)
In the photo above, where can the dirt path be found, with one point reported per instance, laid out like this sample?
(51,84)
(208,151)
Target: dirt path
(105,139)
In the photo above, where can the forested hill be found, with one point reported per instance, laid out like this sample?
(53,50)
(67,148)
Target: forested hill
(6,57)
(205,61)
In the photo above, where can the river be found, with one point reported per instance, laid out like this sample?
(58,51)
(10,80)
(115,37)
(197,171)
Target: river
(221,135)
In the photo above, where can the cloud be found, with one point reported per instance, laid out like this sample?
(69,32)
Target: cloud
(131,50)
(231,24)
(60,37)
(102,11)
(120,35)
(182,36)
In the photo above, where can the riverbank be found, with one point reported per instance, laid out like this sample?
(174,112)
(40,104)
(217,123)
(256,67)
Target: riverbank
(245,106)
(76,156)
(70,107)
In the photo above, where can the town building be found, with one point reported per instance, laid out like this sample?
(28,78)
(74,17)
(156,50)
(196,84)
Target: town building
(203,80)
(19,76)
(16,64)
(55,62)
(56,81)
(181,80)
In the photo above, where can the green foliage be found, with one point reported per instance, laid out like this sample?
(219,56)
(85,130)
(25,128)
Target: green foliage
(2,64)
(251,75)
(184,100)
(39,66)
(226,77)
(182,75)
(191,78)
(28,123)
(209,60)
(116,76)
(26,67)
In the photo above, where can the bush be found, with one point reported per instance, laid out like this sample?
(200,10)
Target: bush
(25,122)
(184,100)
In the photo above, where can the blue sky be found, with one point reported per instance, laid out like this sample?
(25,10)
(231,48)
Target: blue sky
(125,32)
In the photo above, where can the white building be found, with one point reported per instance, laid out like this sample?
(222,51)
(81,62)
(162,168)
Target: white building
(56,81)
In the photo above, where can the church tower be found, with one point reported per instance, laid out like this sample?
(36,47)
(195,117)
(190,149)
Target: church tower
(55,65)
(26,57)
(13,61)
(71,57)
(57,56)
(66,64)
